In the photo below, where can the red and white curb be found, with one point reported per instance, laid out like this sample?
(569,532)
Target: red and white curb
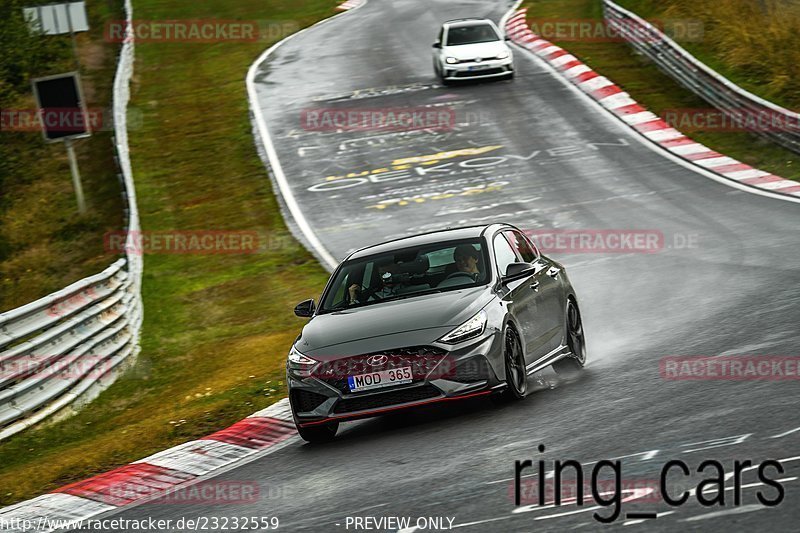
(155,475)
(648,124)
(349,4)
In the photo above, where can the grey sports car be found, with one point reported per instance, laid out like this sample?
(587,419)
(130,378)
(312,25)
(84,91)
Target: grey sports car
(435,317)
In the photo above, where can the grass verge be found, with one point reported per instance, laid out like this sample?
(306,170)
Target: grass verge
(754,44)
(657,91)
(217,327)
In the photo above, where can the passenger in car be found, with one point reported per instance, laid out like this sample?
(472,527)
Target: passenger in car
(466,260)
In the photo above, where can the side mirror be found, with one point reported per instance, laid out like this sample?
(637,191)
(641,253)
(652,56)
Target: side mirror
(517,270)
(437,44)
(508,38)
(305,308)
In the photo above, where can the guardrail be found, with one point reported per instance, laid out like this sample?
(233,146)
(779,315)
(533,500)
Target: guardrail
(61,350)
(701,80)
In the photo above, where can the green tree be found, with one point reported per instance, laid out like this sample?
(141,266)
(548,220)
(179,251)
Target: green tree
(24,52)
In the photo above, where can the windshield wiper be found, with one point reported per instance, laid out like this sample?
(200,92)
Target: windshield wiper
(410,295)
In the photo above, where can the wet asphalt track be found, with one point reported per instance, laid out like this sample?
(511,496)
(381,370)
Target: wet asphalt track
(736,290)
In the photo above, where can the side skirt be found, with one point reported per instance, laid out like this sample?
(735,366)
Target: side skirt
(548,359)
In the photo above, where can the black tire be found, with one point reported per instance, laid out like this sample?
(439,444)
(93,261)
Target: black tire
(514,360)
(571,365)
(320,433)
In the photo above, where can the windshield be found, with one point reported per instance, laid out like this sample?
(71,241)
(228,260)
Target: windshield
(407,273)
(479,33)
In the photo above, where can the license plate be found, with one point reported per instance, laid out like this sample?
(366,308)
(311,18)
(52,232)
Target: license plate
(382,378)
(479,67)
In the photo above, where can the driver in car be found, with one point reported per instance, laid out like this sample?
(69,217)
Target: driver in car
(387,288)
(466,259)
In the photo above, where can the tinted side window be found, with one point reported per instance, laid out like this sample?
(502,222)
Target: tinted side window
(522,246)
(503,253)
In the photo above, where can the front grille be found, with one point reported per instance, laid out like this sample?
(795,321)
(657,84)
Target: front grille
(472,370)
(473,60)
(396,397)
(421,359)
(484,72)
(306,400)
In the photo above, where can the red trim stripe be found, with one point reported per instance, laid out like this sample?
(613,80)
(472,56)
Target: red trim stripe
(127,484)
(653,125)
(255,432)
(373,412)
(585,76)
(603,92)
(733,167)
(762,179)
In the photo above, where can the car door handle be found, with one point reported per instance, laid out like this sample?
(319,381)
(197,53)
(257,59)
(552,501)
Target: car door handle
(553,272)
(535,285)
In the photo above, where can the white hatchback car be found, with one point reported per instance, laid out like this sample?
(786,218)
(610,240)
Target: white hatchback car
(471,48)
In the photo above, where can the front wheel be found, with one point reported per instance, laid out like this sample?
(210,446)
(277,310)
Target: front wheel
(320,433)
(516,375)
(572,364)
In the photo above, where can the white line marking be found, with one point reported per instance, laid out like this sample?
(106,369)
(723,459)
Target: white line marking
(736,510)
(666,134)
(567,513)
(658,515)
(550,49)
(709,490)
(467,524)
(272,155)
(639,118)
(746,174)
(775,185)
(795,430)
(563,60)
(576,70)
(595,83)
(712,162)
(615,100)
(717,443)
(689,149)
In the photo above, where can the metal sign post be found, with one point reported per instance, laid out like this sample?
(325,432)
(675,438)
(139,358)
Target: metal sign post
(76,176)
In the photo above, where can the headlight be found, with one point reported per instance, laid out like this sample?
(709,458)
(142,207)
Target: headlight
(470,329)
(503,55)
(300,361)
(451,60)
